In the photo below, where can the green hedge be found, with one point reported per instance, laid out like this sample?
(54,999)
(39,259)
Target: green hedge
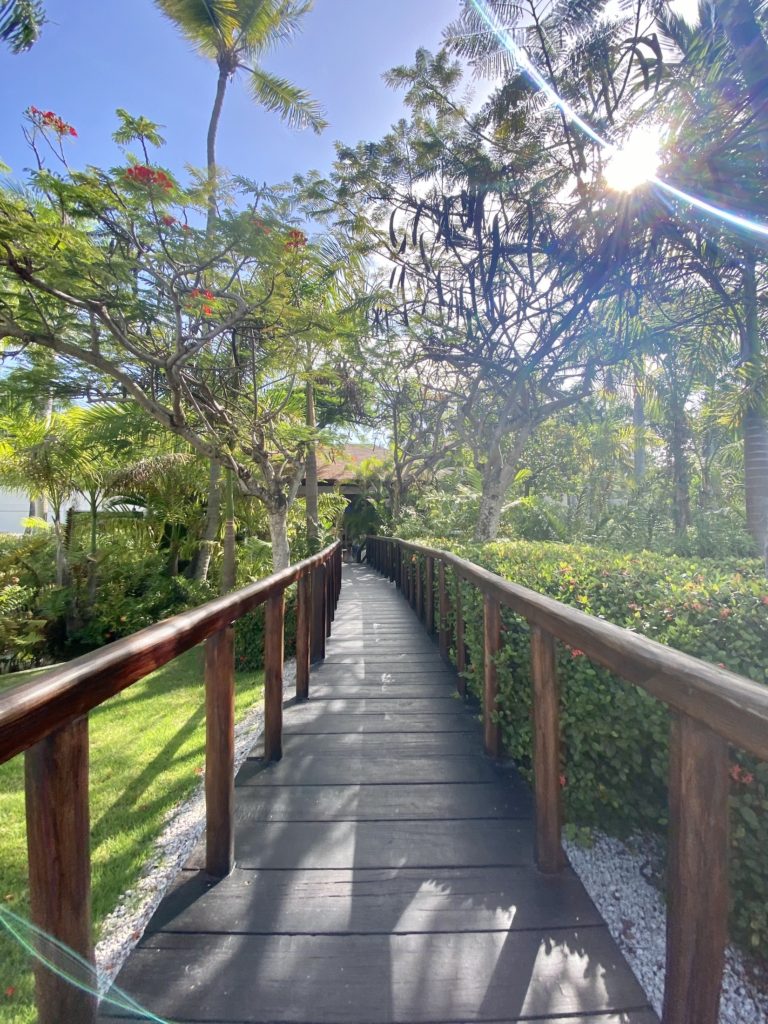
(615,736)
(249,635)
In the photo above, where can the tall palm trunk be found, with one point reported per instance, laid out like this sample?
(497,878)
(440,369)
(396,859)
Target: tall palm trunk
(213,516)
(754,424)
(213,127)
(638,430)
(310,475)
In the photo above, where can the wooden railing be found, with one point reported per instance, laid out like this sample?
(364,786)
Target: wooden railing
(47,719)
(710,709)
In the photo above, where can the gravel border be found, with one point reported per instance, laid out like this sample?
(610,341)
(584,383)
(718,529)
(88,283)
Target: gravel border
(615,874)
(124,927)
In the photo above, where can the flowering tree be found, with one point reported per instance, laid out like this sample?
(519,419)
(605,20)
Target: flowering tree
(108,269)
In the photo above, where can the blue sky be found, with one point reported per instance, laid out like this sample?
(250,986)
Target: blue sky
(97,55)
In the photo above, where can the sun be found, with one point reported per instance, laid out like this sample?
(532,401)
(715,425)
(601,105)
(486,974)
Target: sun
(636,162)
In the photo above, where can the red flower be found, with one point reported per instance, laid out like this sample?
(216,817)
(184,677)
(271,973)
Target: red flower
(726,613)
(195,293)
(10,992)
(207,310)
(144,175)
(168,220)
(735,772)
(48,119)
(576,653)
(747,778)
(208,295)
(563,781)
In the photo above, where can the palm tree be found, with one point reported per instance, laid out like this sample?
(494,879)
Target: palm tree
(237,34)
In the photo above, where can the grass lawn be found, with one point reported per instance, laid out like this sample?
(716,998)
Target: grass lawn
(147,754)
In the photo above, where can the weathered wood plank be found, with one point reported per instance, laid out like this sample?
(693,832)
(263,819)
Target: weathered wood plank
(394,900)
(390,745)
(338,723)
(408,979)
(333,769)
(381,844)
(384,802)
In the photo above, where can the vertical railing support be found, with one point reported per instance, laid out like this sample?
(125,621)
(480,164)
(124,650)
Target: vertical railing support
(697,873)
(220,752)
(328,598)
(413,571)
(546,752)
(273,676)
(443,609)
(492,646)
(317,635)
(429,595)
(461,648)
(419,589)
(58,845)
(303,632)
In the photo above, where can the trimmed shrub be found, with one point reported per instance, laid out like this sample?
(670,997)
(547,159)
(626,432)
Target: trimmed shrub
(615,736)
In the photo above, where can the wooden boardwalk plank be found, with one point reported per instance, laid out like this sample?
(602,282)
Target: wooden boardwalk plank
(378,979)
(384,868)
(392,901)
(382,802)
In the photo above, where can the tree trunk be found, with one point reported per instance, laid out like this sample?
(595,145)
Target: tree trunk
(212,523)
(681,499)
(491,504)
(213,127)
(93,578)
(754,424)
(638,430)
(278,532)
(310,476)
(229,559)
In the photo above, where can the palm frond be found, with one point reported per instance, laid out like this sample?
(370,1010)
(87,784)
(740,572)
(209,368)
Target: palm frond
(265,24)
(291,103)
(209,24)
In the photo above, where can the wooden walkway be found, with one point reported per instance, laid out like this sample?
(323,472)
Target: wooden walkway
(384,867)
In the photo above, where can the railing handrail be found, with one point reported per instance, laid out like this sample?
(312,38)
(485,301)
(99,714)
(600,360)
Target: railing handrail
(709,708)
(733,706)
(33,710)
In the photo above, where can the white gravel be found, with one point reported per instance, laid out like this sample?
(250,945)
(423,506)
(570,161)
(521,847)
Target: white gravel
(615,876)
(123,928)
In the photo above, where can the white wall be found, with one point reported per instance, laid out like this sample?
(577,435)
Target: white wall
(14,506)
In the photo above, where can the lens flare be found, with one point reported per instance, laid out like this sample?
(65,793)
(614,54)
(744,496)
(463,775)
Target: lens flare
(526,65)
(636,162)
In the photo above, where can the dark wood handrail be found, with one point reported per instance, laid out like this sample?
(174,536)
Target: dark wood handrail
(710,709)
(47,719)
(33,710)
(733,706)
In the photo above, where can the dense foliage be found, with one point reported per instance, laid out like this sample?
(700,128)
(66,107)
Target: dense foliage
(615,736)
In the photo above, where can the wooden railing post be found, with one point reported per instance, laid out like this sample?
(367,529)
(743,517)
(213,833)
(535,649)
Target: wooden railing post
(413,571)
(492,646)
(419,589)
(273,676)
(58,845)
(220,752)
(546,752)
(429,594)
(461,648)
(303,629)
(697,873)
(317,634)
(328,598)
(443,608)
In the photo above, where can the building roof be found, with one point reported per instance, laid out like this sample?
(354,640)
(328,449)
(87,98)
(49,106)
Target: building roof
(342,465)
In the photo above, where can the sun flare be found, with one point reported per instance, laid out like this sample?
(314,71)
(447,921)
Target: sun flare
(636,162)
